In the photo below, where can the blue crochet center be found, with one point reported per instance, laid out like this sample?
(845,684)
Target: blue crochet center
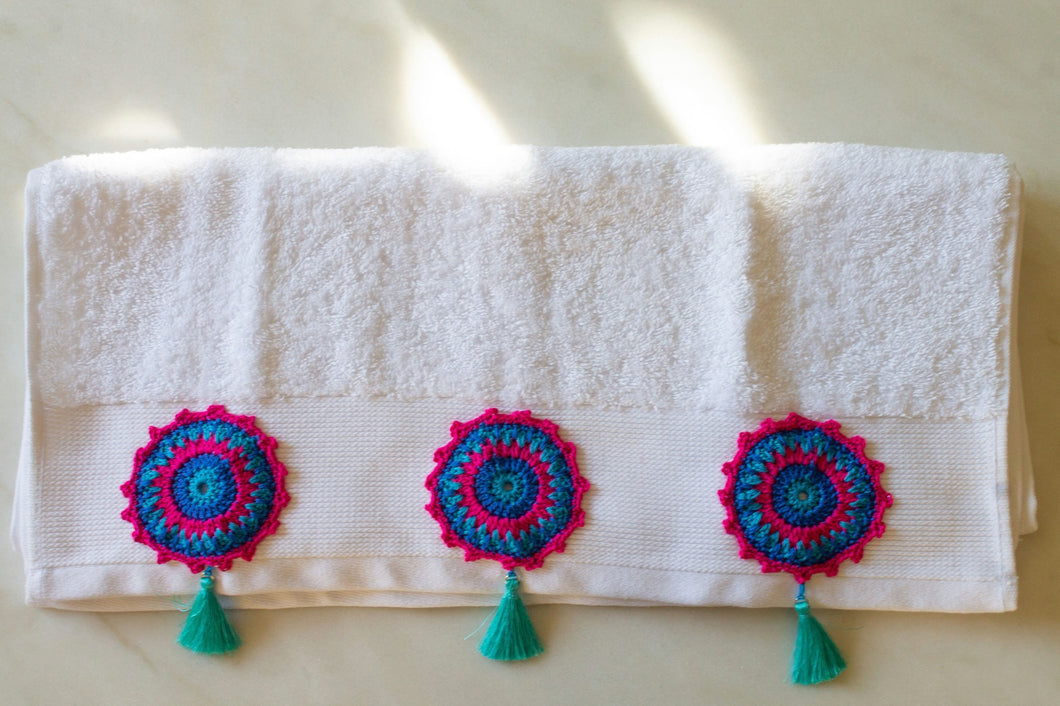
(506,487)
(221,541)
(804,496)
(749,498)
(490,482)
(204,487)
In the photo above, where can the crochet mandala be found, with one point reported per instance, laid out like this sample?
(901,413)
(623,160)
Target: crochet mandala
(206,489)
(506,487)
(801,497)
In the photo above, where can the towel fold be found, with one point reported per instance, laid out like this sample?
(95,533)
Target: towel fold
(653,302)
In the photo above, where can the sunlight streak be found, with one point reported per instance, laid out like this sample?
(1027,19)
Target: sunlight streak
(139,126)
(447,114)
(692,74)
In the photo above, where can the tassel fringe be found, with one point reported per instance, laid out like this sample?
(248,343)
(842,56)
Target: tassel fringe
(207,629)
(511,635)
(816,659)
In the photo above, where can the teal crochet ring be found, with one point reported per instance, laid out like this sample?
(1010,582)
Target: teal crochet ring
(801,497)
(205,491)
(506,487)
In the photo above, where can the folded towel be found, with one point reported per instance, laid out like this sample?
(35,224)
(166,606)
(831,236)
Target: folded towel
(653,302)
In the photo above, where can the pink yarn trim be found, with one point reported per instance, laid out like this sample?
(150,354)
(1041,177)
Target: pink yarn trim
(174,518)
(459,432)
(856,444)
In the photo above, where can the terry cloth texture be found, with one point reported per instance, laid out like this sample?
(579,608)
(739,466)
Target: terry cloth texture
(653,302)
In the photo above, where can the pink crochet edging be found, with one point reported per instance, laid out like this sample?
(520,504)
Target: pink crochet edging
(459,432)
(830,567)
(269,526)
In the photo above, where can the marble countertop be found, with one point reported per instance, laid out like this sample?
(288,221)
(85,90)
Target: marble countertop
(108,75)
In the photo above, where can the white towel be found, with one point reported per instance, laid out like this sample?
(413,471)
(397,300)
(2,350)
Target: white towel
(654,302)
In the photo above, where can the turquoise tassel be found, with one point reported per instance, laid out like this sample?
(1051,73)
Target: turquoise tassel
(816,658)
(511,636)
(206,629)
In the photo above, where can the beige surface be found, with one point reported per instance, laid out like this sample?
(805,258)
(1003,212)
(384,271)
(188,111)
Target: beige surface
(116,75)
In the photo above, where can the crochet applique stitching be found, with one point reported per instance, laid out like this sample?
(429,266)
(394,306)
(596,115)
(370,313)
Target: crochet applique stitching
(801,497)
(506,487)
(206,489)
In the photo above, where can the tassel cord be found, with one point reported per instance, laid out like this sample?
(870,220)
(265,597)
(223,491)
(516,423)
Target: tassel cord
(207,629)
(816,658)
(511,635)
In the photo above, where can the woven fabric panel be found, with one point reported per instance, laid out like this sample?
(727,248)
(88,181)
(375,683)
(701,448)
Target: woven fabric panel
(356,532)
